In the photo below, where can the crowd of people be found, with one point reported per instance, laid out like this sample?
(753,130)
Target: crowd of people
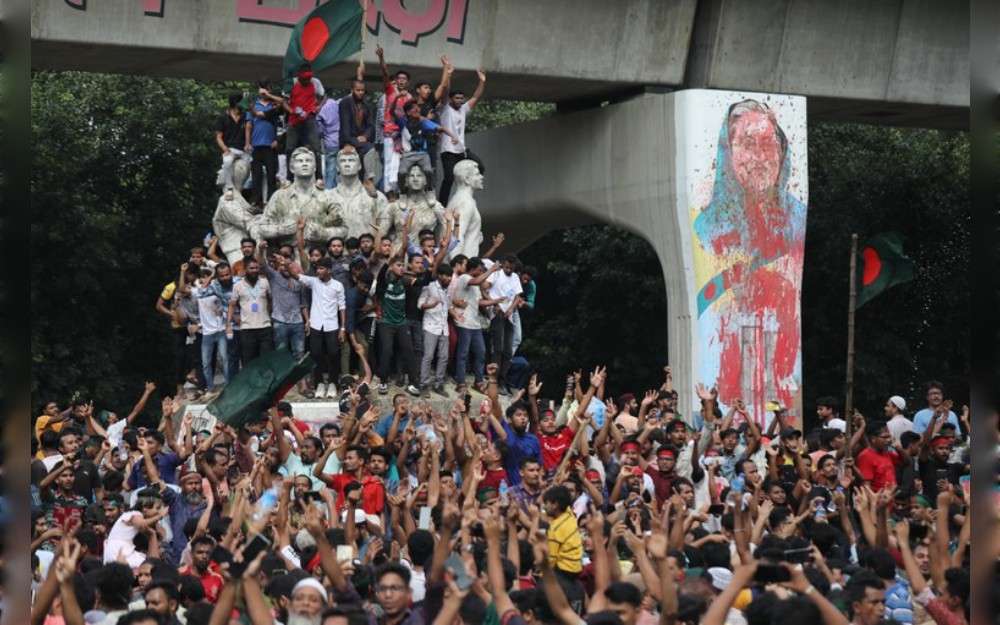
(408,309)
(508,500)
(566,507)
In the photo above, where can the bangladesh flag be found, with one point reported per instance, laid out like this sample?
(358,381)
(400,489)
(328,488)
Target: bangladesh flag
(259,386)
(329,34)
(883,264)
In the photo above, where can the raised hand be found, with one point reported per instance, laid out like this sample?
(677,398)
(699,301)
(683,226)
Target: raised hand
(492,368)
(706,394)
(498,239)
(66,564)
(648,398)
(150,387)
(481,74)
(534,386)
(379,52)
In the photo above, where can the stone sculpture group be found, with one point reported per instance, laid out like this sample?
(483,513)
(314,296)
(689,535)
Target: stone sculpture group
(349,209)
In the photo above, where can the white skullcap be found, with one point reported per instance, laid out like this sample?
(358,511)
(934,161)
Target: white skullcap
(720,577)
(898,402)
(310,582)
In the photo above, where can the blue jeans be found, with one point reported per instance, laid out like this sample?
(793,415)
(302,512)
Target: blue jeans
(210,343)
(466,339)
(329,176)
(291,336)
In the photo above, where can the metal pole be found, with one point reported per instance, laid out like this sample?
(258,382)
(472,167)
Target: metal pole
(851,300)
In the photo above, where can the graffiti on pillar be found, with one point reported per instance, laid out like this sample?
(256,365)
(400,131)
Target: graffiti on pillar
(748,262)
(153,8)
(410,23)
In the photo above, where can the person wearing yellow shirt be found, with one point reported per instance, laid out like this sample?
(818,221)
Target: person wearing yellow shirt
(565,543)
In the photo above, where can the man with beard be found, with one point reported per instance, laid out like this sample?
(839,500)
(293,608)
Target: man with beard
(662,473)
(201,559)
(936,473)
(189,504)
(161,597)
(252,295)
(520,444)
(528,491)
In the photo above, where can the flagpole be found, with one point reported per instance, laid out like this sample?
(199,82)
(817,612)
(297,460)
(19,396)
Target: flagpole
(364,25)
(851,301)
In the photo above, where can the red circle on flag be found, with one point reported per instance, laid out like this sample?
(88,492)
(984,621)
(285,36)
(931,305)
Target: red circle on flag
(710,291)
(873,266)
(315,34)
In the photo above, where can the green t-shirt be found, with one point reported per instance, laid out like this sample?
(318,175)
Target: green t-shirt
(394,303)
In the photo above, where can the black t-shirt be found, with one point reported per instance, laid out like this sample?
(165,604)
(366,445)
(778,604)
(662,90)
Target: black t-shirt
(233,132)
(413,290)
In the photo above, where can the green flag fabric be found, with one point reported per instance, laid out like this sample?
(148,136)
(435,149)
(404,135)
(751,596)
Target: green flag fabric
(259,386)
(329,34)
(882,264)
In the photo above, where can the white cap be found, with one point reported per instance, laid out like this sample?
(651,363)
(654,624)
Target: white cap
(720,577)
(310,582)
(898,402)
(359,516)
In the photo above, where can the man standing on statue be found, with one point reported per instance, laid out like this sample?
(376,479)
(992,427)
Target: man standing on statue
(263,139)
(302,107)
(453,116)
(232,138)
(397,95)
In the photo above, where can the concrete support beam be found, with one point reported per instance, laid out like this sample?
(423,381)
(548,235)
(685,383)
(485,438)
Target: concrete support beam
(731,262)
(859,60)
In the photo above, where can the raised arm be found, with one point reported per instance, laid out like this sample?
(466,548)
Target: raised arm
(494,567)
(445,85)
(284,447)
(478,93)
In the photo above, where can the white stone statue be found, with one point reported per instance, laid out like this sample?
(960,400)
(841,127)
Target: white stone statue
(417,196)
(234,216)
(352,201)
(300,199)
(470,223)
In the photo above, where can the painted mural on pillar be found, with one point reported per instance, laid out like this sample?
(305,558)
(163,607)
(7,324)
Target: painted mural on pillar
(748,254)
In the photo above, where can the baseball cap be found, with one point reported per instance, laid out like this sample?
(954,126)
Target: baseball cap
(791,433)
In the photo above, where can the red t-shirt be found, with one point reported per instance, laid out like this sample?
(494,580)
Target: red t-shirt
(211,582)
(554,447)
(878,468)
(372,491)
(304,97)
(493,478)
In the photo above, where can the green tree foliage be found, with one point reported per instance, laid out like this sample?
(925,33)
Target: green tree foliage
(122,187)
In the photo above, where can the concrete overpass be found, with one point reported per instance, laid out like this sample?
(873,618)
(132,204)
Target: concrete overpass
(899,62)
(684,121)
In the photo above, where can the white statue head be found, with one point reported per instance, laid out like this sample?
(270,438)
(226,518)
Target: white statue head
(467,173)
(302,162)
(241,169)
(348,161)
(414,180)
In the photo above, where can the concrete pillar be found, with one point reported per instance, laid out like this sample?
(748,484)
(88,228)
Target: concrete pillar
(716,181)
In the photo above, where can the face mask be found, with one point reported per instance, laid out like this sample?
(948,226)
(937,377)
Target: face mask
(305,76)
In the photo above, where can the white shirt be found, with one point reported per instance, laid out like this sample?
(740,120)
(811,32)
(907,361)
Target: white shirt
(327,300)
(453,121)
(435,317)
(897,425)
(470,317)
(505,286)
(210,311)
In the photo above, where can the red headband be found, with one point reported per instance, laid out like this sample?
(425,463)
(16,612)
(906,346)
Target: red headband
(665,453)
(630,445)
(940,441)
